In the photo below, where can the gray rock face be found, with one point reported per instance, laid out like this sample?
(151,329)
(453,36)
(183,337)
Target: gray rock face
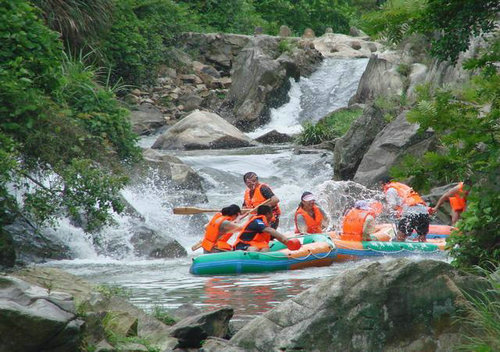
(260,78)
(398,138)
(350,148)
(380,78)
(34,319)
(202,130)
(147,243)
(146,119)
(192,330)
(273,137)
(345,46)
(394,306)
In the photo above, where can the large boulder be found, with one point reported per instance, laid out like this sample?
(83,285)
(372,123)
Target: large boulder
(33,318)
(260,78)
(399,305)
(148,243)
(350,148)
(146,119)
(381,78)
(345,46)
(202,130)
(399,138)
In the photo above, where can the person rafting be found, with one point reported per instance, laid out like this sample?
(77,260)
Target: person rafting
(458,200)
(409,208)
(309,217)
(258,193)
(220,229)
(359,222)
(257,232)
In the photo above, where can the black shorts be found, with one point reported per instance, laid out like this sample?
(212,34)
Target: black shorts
(417,222)
(242,246)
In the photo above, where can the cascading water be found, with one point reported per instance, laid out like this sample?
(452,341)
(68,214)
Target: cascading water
(167,283)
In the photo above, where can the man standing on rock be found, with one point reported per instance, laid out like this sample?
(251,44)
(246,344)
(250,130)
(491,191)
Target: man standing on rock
(410,209)
(258,193)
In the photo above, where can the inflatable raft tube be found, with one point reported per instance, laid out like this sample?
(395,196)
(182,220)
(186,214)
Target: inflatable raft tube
(316,250)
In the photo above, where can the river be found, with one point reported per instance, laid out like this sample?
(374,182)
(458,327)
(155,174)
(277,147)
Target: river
(168,283)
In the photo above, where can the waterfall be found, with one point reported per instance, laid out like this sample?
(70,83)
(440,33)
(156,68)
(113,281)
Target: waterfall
(330,87)
(289,174)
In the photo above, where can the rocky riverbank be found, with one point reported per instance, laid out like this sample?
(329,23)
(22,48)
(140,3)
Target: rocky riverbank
(392,306)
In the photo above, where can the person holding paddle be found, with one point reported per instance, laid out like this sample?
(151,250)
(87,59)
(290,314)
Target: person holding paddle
(257,233)
(258,193)
(220,229)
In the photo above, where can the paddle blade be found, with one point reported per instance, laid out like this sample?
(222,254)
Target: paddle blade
(192,210)
(293,244)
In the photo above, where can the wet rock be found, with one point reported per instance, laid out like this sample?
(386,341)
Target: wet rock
(351,147)
(35,319)
(202,130)
(146,118)
(273,137)
(191,331)
(397,139)
(393,306)
(148,243)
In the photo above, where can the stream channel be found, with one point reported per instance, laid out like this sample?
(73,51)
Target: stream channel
(167,283)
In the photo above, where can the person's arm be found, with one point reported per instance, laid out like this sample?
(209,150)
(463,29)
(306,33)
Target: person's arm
(368,227)
(268,194)
(445,197)
(229,226)
(301,224)
(326,220)
(282,238)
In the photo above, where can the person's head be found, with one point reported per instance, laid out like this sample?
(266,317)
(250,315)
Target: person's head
(468,182)
(369,205)
(232,210)
(265,210)
(384,180)
(307,200)
(251,180)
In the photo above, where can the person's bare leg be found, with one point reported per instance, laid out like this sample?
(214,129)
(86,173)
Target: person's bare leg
(455,216)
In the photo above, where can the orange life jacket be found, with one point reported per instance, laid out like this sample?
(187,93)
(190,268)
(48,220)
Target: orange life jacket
(353,223)
(261,239)
(212,238)
(458,201)
(258,198)
(313,224)
(406,193)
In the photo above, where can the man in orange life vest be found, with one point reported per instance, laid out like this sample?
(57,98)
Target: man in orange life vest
(257,193)
(409,208)
(257,232)
(359,222)
(220,229)
(458,200)
(309,217)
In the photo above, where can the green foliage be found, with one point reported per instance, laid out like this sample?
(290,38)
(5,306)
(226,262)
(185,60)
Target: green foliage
(162,315)
(482,317)
(467,126)
(332,126)
(77,20)
(395,20)
(285,46)
(456,22)
(314,134)
(62,136)
(302,14)
(109,291)
(138,38)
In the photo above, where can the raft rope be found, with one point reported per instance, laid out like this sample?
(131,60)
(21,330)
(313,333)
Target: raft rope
(310,254)
(403,250)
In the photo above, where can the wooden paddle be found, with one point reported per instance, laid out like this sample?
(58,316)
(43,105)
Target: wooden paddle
(193,210)
(198,245)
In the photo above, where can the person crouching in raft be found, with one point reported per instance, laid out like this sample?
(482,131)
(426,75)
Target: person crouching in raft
(257,193)
(309,217)
(256,232)
(220,229)
(359,222)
